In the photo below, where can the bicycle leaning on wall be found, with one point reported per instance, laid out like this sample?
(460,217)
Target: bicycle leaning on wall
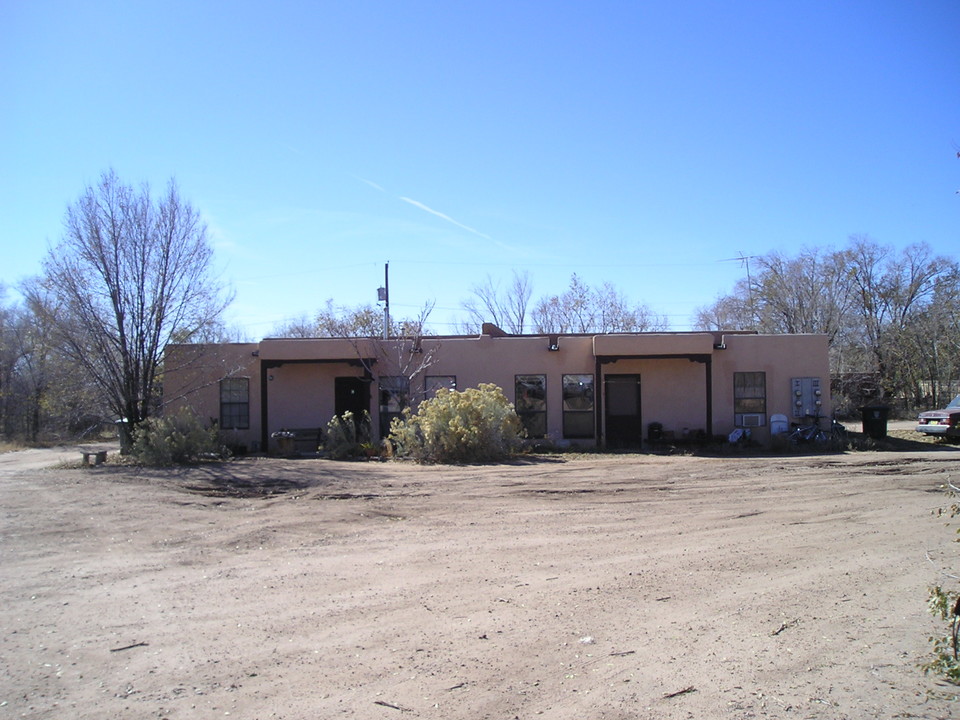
(812,432)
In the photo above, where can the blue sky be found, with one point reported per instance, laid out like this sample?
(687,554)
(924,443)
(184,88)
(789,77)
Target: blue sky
(640,143)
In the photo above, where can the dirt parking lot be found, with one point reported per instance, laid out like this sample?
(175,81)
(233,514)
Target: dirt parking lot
(622,586)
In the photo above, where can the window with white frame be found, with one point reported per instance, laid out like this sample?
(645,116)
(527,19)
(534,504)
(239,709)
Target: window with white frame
(235,403)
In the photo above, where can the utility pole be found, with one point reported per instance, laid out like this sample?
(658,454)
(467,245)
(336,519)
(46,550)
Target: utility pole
(383,295)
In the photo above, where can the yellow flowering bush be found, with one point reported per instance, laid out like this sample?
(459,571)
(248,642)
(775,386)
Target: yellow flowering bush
(474,425)
(348,435)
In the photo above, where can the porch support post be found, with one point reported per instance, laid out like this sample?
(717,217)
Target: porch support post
(598,400)
(709,369)
(264,414)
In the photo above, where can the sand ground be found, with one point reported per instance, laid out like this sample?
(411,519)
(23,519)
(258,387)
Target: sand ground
(623,586)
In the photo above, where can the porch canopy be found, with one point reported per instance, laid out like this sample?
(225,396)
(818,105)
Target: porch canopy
(696,347)
(275,352)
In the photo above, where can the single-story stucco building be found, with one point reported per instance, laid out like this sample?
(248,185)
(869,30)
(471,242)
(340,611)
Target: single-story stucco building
(608,390)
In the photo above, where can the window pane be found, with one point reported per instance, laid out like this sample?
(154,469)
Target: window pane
(531,393)
(394,393)
(234,389)
(750,392)
(751,405)
(578,417)
(578,392)
(535,423)
(394,397)
(234,416)
(578,425)
(749,384)
(235,403)
(439,382)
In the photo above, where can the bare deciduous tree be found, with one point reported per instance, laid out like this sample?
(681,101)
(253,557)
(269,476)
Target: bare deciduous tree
(130,275)
(8,362)
(506,308)
(299,327)
(896,292)
(398,361)
(728,312)
(43,395)
(889,315)
(407,353)
(411,351)
(582,309)
(809,293)
(359,321)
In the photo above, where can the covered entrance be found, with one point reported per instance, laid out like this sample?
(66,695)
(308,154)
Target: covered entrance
(350,393)
(622,414)
(621,396)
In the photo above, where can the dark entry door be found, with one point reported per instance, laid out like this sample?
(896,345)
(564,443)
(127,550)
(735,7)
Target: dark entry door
(622,415)
(351,393)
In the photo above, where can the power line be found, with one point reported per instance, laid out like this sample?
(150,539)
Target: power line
(514,265)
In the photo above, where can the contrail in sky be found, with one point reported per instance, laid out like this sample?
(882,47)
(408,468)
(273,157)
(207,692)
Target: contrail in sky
(371,183)
(444,217)
(430,210)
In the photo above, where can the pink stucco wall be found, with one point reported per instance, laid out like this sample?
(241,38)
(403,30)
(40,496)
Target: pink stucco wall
(781,357)
(300,373)
(301,396)
(672,392)
(192,375)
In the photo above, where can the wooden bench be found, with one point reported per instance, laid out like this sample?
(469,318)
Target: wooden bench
(307,439)
(299,440)
(99,456)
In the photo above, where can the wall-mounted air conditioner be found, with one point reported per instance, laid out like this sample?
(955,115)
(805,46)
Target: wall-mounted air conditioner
(750,420)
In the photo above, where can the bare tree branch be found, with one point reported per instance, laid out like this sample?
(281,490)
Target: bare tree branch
(130,275)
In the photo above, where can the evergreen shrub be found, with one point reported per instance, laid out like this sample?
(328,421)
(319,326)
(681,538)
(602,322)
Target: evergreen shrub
(179,439)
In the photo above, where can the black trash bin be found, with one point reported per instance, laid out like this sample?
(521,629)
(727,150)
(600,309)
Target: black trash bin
(655,432)
(875,420)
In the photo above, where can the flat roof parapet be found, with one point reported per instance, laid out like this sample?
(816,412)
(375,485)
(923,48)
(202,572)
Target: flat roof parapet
(653,344)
